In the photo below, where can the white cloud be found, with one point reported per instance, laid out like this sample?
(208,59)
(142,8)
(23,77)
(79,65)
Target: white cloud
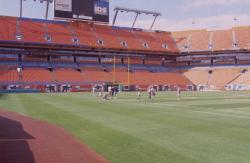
(212,22)
(191,4)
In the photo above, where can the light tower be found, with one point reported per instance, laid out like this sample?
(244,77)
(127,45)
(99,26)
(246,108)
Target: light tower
(235,43)
(137,13)
(48,2)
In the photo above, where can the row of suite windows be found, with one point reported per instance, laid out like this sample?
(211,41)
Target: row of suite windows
(69,58)
(210,46)
(99,41)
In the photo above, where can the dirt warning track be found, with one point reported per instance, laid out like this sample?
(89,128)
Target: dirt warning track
(26,140)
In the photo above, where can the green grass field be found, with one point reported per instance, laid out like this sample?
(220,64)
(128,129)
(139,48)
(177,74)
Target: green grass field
(211,127)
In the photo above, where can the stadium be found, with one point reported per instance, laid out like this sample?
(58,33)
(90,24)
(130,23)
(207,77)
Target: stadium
(80,88)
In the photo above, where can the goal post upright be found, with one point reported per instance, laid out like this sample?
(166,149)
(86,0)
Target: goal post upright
(114,70)
(128,71)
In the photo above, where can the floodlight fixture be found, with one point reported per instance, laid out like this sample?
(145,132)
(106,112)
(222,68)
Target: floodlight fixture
(137,13)
(48,2)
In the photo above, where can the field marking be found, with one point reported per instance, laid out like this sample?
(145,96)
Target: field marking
(155,104)
(221,114)
(237,111)
(176,107)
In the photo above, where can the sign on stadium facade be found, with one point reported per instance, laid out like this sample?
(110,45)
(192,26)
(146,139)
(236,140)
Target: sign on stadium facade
(63,5)
(95,10)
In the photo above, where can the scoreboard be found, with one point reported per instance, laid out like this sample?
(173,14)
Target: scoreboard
(94,10)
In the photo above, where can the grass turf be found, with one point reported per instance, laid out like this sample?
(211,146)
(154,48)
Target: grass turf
(198,127)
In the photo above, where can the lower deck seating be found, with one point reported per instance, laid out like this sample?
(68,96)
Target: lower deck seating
(221,77)
(243,78)
(139,77)
(159,78)
(68,75)
(36,75)
(214,78)
(197,76)
(9,75)
(97,75)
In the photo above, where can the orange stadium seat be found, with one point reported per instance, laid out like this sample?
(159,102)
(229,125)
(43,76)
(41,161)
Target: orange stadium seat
(148,78)
(194,40)
(221,77)
(84,34)
(106,34)
(59,33)
(9,75)
(97,75)
(145,37)
(243,37)
(36,75)
(165,42)
(242,78)
(130,39)
(217,79)
(222,40)
(197,76)
(166,38)
(32,31)
(121,75)
(68,75)
(8,28)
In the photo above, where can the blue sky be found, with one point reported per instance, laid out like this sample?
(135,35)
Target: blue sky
(176,14)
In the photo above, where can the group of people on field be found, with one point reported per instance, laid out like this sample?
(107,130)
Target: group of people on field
(151,90)
(113,91)
(100,89)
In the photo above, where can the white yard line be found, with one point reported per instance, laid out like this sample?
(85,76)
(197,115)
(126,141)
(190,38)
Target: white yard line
(174,107)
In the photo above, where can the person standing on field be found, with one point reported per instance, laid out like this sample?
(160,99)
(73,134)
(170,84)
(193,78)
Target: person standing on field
(178,92)
(138,88)
(110,91)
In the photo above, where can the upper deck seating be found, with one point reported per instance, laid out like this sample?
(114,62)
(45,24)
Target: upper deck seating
(194,40)
(8,28)
(222,40)
(243,37)
(106,34)
(32,32)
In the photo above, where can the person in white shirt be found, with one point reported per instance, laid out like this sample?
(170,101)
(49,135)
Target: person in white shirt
(94,90)
(178,92)
(110,90)
(151,92)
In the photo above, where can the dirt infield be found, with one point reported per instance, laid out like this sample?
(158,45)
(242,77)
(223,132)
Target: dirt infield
(25,140)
